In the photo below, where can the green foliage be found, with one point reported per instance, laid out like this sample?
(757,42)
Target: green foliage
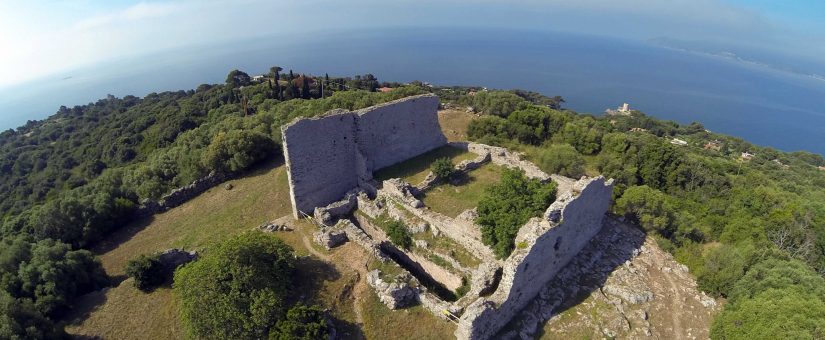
(398,233)
(19,319)
(508,205)
(237,150)
(723,268)
(497,103)
(302,322)
(443,168)
(238,289)
(147,271)
(561,159)
(648,207)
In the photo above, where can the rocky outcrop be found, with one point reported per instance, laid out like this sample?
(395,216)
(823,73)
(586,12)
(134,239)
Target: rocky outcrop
(396,294)
(330,237)
(174,258)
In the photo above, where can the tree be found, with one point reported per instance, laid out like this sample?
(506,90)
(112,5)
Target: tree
(648,207)
(302,323)
(238,289)
(237,78)
(237,150)
(275,73)
(506,206)
(442,168)
(561,159)
(146,271)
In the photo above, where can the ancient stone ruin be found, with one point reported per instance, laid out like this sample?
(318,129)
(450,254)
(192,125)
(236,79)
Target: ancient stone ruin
(335,153)
(448,270)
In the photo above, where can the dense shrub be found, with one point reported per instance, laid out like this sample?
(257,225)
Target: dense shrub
(302,323)
(147,271)
(443,168)
(19,319)
(237,150)
(238,290)
(506,206)
(398,233)
(561,159)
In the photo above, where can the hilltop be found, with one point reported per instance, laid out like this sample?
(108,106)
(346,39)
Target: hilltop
(728,211)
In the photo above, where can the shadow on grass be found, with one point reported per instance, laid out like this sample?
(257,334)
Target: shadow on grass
(310,275)
(417,164)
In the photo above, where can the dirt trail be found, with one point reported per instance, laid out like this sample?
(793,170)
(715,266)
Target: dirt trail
(675,305)
(344,255)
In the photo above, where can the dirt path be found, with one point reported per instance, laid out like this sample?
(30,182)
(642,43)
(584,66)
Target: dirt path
(675,305)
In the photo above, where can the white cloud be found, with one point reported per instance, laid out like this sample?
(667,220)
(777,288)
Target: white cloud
(40,39)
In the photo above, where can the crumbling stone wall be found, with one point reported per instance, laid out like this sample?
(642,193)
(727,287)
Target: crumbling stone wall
(544,248)
(330,155)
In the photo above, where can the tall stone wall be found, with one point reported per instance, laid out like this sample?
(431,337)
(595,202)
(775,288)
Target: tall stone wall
(321,161)
(396,131)
(549,247)
(332,154)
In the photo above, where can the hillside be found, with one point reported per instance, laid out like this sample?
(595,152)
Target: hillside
(721,217)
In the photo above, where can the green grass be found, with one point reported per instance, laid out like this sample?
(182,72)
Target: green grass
(452,200)
(411,323)
(415,169)
(445,245)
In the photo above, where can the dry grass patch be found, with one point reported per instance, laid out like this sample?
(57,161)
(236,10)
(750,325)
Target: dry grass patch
(411,323)
(454,124)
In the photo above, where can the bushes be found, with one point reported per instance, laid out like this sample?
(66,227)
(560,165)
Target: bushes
(443,168)
(561,159)
(302,322)
(506,206)
(778,298)
(147,271)
(239,290)
(237,150)
(398,233)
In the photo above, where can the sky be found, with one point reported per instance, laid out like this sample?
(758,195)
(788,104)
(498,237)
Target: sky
(40,38)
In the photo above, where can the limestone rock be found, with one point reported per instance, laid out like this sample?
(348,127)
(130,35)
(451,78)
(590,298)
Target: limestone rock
(174,258)
(330,238)
(395,295)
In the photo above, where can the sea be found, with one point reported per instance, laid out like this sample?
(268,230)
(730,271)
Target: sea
(761,104)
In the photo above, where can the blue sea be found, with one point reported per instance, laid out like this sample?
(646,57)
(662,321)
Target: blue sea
(760,104)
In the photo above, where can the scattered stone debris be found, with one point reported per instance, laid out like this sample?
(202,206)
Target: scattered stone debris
(397,294)
(228,186)
(270,227)
(174,258)
(330,237)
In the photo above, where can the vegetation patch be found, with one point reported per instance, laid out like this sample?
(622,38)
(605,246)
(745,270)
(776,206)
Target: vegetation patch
(147,272)
(415,169)
(508,205)
(452,200)
(240,290)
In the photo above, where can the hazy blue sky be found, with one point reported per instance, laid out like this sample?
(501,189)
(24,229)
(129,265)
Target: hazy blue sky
(40,38)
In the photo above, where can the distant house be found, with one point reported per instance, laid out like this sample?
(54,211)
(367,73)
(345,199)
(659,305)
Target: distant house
(258,78)
(638,129)
(385,89)
(747,156)
(623,110)
(679,142)
(715,145)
